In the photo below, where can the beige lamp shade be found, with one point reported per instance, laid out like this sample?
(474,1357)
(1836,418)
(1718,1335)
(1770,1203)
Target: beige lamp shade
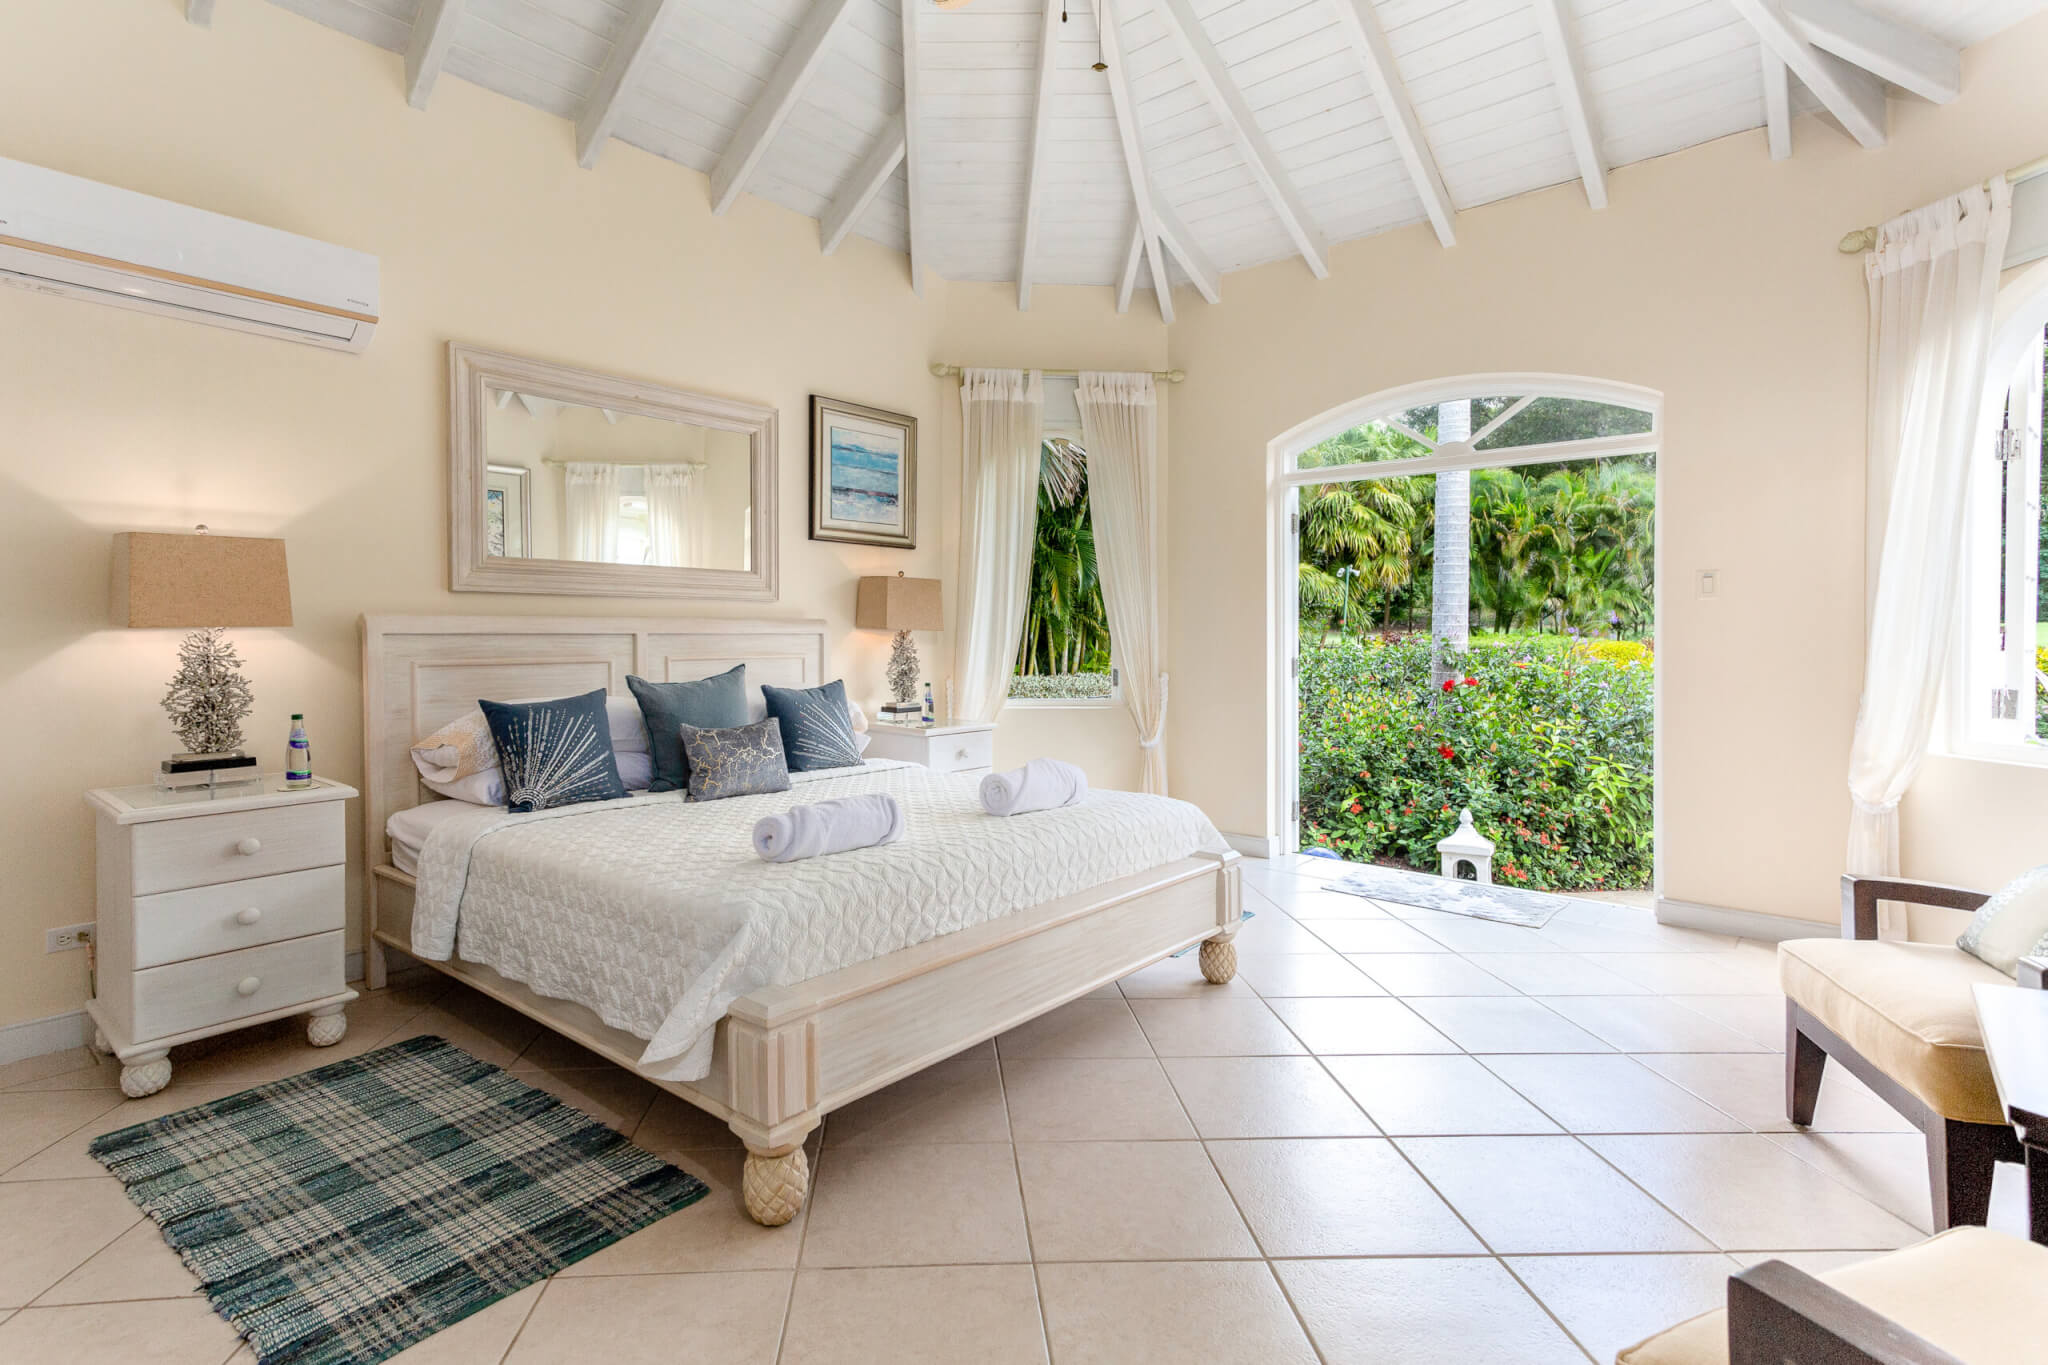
(898,603)
(187,581)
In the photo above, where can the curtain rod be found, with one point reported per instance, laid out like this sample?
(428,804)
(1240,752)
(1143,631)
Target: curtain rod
(557,461)
(944,371)
(1865,239)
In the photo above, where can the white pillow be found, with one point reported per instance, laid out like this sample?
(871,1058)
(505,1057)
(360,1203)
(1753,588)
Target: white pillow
(2012,924)
(463,746)
(487,788)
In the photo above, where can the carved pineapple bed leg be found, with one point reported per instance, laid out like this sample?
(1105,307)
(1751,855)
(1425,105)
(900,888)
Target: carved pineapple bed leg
(1219,960)
(145,1073)
(775,1183)
(325,1028)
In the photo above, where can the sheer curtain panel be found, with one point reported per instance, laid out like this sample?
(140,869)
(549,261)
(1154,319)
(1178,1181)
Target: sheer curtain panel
(590,511)
(1003,423)
(1120,430)
(675,515)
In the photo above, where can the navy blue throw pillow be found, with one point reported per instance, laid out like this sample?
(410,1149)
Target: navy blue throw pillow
(714,703)
(817,730)
(555,753)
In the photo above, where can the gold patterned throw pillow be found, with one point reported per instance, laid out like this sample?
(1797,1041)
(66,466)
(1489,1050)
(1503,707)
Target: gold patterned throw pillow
(743,760)
(461,748)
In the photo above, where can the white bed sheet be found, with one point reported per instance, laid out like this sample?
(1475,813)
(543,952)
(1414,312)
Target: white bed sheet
(656,913)
(409,830)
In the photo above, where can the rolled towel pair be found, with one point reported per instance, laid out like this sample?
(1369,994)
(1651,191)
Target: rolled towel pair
(836,826)
(1041,784)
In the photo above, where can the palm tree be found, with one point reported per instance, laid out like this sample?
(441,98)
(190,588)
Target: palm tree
(1450,581)
(1356,539)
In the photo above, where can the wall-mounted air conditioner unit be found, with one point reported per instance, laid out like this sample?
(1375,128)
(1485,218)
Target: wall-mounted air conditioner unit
(63,235)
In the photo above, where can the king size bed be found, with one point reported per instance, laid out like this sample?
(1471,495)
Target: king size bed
(647,930)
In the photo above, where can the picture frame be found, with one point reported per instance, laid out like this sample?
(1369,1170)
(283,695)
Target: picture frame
(508,511)
(863,475)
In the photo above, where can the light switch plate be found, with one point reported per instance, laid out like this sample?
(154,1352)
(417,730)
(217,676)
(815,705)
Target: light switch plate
(1710,582)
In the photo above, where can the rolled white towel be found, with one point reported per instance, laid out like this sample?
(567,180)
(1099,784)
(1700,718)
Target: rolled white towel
(1041,784)
(835,826)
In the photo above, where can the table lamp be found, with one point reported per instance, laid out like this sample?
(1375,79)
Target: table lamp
(902,605)
(206,584)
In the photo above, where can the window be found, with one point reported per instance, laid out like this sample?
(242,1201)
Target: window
(2001,701)
(1065,653)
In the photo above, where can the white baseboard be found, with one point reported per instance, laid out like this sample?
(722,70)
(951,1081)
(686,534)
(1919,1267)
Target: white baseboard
(36,1037)
(1254,845)
(1716,919)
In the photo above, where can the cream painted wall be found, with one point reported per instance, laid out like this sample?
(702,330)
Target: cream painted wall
(1712,277)
(488,233)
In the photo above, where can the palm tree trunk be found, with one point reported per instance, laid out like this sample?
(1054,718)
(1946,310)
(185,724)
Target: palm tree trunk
(1451,572)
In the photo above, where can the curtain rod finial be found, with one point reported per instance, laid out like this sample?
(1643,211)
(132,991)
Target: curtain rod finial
(1857,242)
(941,370)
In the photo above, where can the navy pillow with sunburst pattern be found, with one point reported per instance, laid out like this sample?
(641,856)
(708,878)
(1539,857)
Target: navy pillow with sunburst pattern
(817,729)
(554,753)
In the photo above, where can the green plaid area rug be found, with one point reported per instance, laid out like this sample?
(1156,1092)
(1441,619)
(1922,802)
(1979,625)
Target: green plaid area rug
(342,1215)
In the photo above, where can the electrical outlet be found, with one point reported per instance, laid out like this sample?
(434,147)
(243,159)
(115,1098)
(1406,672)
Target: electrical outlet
(69,937)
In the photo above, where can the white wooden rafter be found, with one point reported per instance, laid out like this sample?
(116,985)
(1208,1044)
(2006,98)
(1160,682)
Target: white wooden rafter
(1579,121)
(632,53)
(1195,262)
(1127,280)
(1041,128)
(1911,60)
(426,51)
(199,12)
(913,146)
(1362,30)
(1777,104)
(1851,94)
(868,178)
(1213,78)
(776,102)
(1128,134)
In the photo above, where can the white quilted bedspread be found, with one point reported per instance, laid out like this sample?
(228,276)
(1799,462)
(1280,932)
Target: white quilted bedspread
(656,913)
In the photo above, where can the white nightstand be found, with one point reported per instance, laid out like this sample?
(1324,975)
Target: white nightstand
(968,747)
(217,910)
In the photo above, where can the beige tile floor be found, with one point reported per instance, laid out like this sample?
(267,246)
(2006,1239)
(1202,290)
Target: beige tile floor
(1399,1136)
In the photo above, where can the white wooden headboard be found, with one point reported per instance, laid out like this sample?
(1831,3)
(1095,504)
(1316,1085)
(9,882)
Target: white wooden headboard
(420,672)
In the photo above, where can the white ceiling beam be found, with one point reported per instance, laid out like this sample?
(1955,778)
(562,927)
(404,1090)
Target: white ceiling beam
(426,52)
(632,53)
(1563,55)
(1217,86)
(1362,29)
(913,145)
(1777,104)
(1128,281)
(777,101)
(868,178)
(1193,260)
(1851,94)
(1909,59)
(1134,153)
(1041,127)
(199,12)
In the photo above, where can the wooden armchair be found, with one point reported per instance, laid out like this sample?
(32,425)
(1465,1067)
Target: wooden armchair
(1901,1018)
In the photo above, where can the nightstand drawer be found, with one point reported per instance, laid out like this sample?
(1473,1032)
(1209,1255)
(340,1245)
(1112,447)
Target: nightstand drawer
(957,753)
(213,990)
(201,850)
(175,925)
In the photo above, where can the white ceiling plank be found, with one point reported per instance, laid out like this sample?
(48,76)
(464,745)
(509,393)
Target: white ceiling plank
(433,33)
(1128,281)
(1206,65)
(199,12)
(913,145)
(1129,134)
(1175,235)
(873,173)
(1851,94)
(1579,121)
(1361,28)
(1041,128)
(768,113)
(632,53)
(1777,104)
(1908,59)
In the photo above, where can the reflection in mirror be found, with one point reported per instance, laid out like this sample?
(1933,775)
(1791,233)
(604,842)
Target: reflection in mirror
(573,481)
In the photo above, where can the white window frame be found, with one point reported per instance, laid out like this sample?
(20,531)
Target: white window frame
(1116,685)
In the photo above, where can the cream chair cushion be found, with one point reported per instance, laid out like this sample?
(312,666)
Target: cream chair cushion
(1974,1293)
(1907,1008)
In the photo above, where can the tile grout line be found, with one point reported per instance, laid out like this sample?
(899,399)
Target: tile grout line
(1023,1203)
(803,1235)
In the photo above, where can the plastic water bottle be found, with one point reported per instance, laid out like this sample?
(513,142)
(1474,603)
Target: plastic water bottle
(298,764)
(929,716)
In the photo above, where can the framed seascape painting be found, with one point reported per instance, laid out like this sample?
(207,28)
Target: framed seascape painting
(863,475)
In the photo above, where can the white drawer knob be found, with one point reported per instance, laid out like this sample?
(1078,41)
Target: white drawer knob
(248,985)
(249,847)
(959,753)
(249,916)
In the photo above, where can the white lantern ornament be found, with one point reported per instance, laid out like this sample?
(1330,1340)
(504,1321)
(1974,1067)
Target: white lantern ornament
(1467,848)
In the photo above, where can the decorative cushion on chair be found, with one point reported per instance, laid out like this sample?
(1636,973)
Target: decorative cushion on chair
(1969,1291)
(2012,924)
(1907,1008)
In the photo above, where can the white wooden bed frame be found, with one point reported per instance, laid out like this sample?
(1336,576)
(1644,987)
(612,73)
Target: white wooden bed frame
(784,1056)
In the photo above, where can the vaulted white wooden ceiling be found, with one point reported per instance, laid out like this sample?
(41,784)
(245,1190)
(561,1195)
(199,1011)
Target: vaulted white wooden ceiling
(1221,134)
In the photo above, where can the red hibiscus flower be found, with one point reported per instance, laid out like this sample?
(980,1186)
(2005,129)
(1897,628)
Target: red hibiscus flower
(1471,682)
(1447,751)
(1450,683)
(1356,808)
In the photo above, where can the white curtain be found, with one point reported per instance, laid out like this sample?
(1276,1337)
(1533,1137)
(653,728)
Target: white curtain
(590,511)
(1933,289)
(1120,430)
(1003,414)
(675,515)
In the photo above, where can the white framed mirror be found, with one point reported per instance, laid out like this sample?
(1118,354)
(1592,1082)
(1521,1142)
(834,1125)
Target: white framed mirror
(567,481)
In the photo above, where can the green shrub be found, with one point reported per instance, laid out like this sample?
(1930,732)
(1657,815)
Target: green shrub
(1061,687)
(1551,749)
(1615,651)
